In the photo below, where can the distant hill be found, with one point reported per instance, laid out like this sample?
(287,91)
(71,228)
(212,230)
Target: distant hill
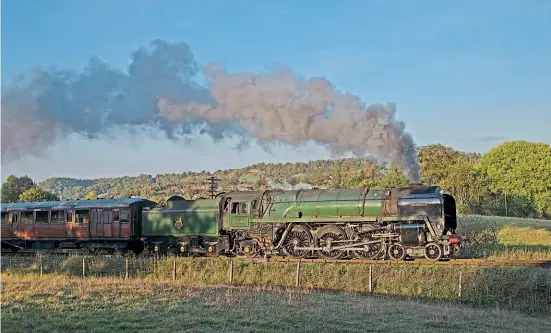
(350,172)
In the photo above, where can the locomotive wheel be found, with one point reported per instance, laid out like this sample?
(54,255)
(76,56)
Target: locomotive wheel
(396,251)
(253,252)
(325,236)
(299,236)
(371,251)
(433,252)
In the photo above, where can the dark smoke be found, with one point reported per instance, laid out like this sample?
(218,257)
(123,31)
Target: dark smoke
(160,89)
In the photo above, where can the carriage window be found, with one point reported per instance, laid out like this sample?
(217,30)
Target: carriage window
(58,216)
(27,217)
(5,219)
(14,218)
(116,216)
(124,215)
(42,217)
(69,217)
(82,216)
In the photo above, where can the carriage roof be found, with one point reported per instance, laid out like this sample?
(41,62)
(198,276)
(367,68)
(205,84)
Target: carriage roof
(73,204)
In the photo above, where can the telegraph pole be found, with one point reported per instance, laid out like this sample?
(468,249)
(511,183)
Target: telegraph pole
(506,203)
(213,186)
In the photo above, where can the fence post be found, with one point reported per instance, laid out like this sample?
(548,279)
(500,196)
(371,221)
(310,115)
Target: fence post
(297,281)
(460,291)
(231,271)
(174,269)
(126,268)
(41,263)
(370,278)
(83,266)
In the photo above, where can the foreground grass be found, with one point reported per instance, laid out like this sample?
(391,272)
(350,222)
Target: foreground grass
(61,304)
(507,238)
(525,289)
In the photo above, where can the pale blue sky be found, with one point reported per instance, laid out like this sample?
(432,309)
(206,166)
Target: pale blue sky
(469,74)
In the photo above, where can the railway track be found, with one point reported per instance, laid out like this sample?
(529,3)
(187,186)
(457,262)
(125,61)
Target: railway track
(416,261)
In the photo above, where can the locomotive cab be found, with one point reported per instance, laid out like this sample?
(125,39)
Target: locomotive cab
(448,210)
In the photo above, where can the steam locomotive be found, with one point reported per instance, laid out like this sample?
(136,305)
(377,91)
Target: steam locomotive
(372,223)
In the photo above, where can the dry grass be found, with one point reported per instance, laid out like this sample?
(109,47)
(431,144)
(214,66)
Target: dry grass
(523,289)
(512,238)
(62,304)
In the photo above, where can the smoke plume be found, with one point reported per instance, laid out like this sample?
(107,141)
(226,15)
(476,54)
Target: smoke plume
(160,89)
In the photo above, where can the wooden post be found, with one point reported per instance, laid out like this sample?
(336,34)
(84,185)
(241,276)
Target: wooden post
(231,271)
(370,278)
(174,269)
(41,263)
(297,281)
(126,268)
(460,289)
(83,266)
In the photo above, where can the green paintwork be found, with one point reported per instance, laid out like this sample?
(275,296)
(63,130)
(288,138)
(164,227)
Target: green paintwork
(199,217)
(324,203)
(372,208)
(239,221)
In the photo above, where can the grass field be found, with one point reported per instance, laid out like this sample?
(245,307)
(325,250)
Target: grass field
(62,304)
(495,237)
(524,289)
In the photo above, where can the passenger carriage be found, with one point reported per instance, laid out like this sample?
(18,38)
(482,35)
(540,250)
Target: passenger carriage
(103,224)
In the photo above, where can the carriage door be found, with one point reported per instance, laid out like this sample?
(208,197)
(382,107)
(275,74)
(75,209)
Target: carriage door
(6,225)
(116,223)
(96,229)
(106,218)
(14,222)
(69,222)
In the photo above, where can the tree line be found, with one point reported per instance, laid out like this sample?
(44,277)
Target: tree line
(513,179)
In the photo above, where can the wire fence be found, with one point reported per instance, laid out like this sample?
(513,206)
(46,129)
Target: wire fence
(526,289)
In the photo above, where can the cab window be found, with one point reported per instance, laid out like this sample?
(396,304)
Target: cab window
(239,208)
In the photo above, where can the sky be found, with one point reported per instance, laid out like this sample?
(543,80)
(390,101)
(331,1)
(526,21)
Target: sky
(466,74)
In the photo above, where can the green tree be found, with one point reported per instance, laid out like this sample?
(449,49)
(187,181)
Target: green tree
(336,173)
(393,178)
(454,171)
(37,193)
(91,195)
(13,187)
(522,170)
(436,160)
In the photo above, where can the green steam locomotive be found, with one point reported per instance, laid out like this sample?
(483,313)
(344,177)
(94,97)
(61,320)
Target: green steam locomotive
(373,223)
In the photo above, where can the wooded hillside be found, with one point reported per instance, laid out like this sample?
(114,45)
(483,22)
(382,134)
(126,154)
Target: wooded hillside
(512,179)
